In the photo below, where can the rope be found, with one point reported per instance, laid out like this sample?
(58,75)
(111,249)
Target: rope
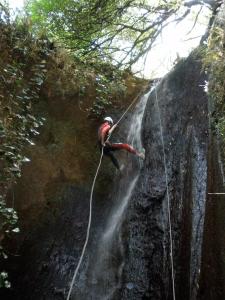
(135,99)
(168,197)
(216,193)
(88,228)
(90,207)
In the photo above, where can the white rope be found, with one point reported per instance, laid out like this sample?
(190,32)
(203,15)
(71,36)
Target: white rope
(216,193)
(135,99)
(88,228)
(90,207)
(168,197)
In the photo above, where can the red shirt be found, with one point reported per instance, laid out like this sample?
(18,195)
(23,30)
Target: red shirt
(103,131)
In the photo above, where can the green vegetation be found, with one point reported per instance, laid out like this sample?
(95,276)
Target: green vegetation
(215,64)
(108,86)
(23,68)
(119,32)
(107,36)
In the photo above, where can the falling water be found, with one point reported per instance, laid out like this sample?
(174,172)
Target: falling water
(134,138)
(106,272)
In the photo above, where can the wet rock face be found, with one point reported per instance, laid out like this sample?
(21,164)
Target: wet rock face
(49,253)
(52,196)
(182,113)
(43,271)
(212,271)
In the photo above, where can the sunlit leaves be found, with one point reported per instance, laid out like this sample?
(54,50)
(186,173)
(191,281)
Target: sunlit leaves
(8,217)
(97,29)
(4,280)
(119,32)
(22,78)
(214,60)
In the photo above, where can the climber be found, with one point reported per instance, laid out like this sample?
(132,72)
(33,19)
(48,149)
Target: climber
(104,131)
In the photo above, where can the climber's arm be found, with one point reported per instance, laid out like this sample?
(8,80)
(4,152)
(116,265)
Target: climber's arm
(112,129)
(103,134)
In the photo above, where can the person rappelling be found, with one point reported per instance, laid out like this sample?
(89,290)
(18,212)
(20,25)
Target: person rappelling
(104,131)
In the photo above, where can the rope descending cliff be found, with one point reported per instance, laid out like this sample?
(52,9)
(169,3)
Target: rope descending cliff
(91,200)
(167,195)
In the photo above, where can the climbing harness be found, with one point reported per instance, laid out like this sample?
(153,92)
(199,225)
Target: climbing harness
(168,196)
(90,201)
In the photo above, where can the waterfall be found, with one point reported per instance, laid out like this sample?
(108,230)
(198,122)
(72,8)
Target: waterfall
(104,275)
(123,195)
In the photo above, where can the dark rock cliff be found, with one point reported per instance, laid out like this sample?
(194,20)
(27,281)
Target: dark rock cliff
(213,272)
(183,115)
(54,190)
(212,278)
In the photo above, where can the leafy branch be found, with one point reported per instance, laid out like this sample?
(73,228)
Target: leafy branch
(115,31)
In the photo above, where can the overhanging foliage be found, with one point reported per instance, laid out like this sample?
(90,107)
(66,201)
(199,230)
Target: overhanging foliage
(117,31)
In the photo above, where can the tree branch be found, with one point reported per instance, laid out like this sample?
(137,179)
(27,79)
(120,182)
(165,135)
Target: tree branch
(196,19)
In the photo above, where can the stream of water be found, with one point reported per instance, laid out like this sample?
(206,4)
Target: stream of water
(107,269)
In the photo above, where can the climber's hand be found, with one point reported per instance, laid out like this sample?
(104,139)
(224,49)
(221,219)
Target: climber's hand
(141,155)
